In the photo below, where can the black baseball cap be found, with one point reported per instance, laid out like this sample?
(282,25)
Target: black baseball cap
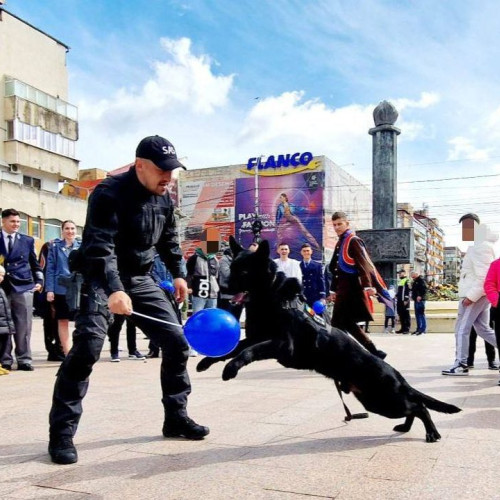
(160,151)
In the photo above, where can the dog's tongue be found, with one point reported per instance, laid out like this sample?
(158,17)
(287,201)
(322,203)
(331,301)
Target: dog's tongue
(239,298)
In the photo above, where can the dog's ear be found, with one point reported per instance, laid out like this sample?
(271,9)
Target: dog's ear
(235,247)
(263,249)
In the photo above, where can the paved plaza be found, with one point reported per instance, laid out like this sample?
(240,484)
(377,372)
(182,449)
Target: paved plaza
(275,434)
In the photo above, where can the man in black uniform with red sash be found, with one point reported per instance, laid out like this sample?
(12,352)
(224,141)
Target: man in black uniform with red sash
(130,218)
(354,279)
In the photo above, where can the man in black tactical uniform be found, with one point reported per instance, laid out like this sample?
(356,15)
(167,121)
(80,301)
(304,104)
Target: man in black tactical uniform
(130,218)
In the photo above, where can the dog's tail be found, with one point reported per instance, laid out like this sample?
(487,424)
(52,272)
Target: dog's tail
(436,405)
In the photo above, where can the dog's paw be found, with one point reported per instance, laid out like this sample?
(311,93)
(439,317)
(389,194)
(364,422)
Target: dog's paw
(401,428)
(230,371)
(204,364)
(432,437)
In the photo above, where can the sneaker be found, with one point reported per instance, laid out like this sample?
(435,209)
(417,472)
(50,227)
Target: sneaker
(386,330)
(470,367)
(184,427)
(115,358)
(62,450)
(416,332)
(459,370)
(492,366)
(393,331)
(136,355)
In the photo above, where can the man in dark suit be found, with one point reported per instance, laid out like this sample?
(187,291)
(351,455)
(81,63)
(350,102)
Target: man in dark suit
(23,277)
(313,280)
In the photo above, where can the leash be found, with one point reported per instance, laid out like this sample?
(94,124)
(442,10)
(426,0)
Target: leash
(348,414)
(156,319)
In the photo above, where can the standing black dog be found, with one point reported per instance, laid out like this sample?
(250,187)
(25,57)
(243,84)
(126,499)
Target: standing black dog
(296,338)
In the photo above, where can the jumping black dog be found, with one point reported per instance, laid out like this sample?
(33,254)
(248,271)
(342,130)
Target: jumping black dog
(260,325)
(297,338)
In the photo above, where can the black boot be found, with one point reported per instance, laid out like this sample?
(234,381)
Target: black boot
(185,427)
(370,346)
(62,450)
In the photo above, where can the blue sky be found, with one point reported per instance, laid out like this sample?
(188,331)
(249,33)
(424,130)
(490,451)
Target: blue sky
(227,80)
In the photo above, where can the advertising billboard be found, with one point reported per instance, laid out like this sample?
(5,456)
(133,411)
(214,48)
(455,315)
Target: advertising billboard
(290,208)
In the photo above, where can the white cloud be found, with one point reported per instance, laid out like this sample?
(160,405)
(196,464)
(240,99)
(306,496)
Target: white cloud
(182,88)
(464,149)
(427,99)
(184,79)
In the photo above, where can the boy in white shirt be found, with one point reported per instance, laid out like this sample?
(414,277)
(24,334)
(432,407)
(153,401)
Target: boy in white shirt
(290,267)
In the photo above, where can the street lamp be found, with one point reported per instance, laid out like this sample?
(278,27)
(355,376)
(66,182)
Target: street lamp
(257,224)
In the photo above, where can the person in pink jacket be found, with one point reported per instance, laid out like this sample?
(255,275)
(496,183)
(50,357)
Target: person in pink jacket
(492,290)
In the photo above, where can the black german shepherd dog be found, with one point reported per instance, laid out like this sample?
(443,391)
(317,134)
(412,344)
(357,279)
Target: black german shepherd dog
(298,339)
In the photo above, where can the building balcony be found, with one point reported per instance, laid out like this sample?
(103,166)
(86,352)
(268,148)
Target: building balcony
(34,115)
(25,155)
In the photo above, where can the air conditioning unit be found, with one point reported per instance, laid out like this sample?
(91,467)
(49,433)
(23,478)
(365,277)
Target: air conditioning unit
(14,169)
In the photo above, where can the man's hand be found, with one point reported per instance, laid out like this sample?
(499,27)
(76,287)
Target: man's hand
(38,287)
(467,302)
(181,290)
(120,303)
(331,297)
(419,299)
(50,296)
(370,291)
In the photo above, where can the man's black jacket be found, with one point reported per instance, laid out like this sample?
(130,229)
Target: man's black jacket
(419,288)
(126,226)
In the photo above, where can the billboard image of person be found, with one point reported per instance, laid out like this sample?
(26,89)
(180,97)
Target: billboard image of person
(290,209)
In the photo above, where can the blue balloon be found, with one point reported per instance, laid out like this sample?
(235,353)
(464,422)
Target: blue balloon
(167,286)
(319,307)
(212,332)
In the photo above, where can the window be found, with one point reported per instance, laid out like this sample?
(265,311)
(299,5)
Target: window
(52,229)
(35,228)
(40,138)
(32,182)
(24,223)
(25,91)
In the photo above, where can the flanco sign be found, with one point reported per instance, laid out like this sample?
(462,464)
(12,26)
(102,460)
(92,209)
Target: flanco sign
(281,165)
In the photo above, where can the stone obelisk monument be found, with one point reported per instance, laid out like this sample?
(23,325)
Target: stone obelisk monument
(384,200)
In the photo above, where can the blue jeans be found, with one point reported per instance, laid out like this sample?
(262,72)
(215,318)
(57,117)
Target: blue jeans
(420,316)
(200,303)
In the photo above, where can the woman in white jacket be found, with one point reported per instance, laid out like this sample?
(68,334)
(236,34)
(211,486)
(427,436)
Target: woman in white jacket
(473,308)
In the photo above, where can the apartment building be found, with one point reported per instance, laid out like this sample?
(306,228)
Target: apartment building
(38,129)
(453,258)
(429,242)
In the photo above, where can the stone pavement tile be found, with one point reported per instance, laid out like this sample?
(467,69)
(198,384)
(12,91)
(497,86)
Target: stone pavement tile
(475,454)
(210,472)
(134,475)
(379,489)
(294,449)
(21,476)
(38,493)
(477,424)
(458,483)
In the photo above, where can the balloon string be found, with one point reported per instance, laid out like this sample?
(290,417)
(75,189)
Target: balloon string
(157,319)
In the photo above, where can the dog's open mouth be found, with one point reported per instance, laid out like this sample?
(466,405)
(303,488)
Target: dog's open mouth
(240,298)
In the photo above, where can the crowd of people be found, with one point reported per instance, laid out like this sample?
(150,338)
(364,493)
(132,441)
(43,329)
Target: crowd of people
(129,249)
